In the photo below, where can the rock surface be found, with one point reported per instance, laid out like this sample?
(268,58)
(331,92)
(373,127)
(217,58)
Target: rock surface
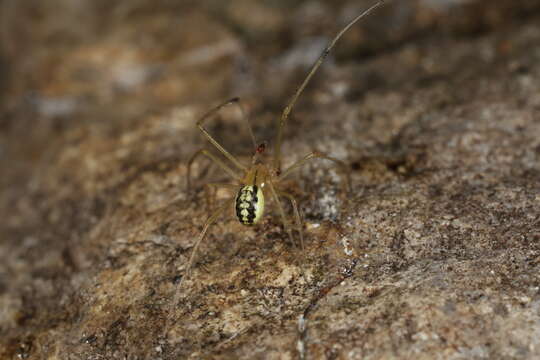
(434,254)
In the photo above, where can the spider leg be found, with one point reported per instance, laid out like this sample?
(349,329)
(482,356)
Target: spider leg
(243,114)
(211,219)
(212,157)
(210,198)
(298,221)
(214,142)
(314,68)
(281,211)
(319,155)
(297,217)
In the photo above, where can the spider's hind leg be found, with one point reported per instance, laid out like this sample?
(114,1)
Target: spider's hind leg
(211,192)
(202,235)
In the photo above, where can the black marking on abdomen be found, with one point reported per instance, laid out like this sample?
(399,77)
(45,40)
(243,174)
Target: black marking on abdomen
(246,202)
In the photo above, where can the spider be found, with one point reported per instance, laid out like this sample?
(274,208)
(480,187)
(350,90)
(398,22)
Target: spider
(260,179)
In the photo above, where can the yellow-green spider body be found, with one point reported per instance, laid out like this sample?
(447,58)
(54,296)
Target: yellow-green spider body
(249,204)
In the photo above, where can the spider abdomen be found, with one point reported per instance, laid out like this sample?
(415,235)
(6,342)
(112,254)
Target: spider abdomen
(249,204)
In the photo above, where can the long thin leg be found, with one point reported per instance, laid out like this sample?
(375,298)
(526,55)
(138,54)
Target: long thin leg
(299,229)
(210,198)
(297,217)
(314,68)
(202,235)
(214,142)
(244,116)
(318,155)
(187,272)
(212,157)
(281,211)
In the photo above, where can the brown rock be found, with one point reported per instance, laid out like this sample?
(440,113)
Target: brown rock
(435,254)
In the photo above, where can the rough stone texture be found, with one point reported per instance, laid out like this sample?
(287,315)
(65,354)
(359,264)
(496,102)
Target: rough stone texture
(435,254)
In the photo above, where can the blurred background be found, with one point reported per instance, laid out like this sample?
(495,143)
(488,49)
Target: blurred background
(77,66)
(98,104)
(68,63)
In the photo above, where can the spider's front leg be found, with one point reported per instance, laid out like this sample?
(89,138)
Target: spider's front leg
(213,141)
(234,173)
(319,155)
(214,159)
